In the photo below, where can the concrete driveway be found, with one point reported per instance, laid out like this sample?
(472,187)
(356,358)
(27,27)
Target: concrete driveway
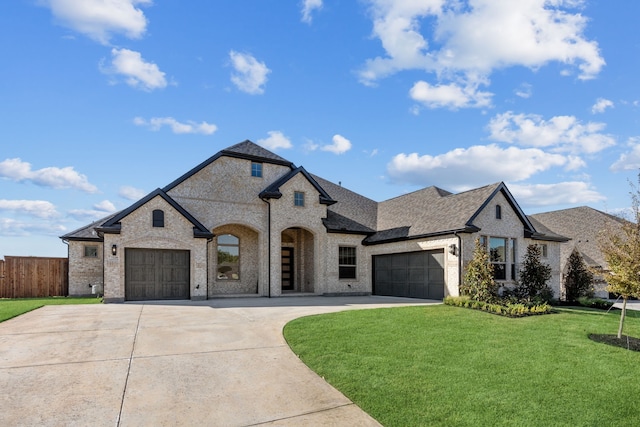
(220,362)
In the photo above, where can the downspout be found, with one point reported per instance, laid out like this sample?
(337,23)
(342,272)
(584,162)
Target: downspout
(268,246)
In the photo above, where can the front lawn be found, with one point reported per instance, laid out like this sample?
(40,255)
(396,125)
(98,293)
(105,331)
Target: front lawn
(442,365)
(14,307)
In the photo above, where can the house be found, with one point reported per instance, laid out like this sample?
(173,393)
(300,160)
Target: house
(582,225)
(247,222)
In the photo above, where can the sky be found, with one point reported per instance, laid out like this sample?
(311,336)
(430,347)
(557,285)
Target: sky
(103,101)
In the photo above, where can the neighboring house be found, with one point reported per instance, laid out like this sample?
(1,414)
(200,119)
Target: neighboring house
(248,222)
(582,225)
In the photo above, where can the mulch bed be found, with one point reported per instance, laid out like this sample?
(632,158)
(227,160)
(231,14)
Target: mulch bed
(630,343)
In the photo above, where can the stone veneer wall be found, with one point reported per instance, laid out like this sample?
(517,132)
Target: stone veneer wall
(84,271)
(138,232)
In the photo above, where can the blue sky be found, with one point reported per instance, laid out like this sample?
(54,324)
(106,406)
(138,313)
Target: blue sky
(103,101)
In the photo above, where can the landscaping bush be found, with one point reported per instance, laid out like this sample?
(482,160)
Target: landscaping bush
(594,303)
(506,309)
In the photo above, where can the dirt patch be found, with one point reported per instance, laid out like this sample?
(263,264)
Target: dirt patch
(630,343)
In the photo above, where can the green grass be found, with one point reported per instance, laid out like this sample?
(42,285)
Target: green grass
(449,366)
(14,307)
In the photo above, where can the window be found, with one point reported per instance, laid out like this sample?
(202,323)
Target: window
(544,251)
(228,257)
(498,212)
(498,257)
(158,218)
(513,259)
(256,169)
(91,251)
(346,262)
(298,198)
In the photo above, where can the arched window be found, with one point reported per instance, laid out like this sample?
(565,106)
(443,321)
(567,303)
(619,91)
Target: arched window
(228,257)
(498,212)
(158,218)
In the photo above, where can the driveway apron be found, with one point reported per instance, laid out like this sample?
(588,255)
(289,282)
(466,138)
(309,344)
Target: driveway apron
(220,362)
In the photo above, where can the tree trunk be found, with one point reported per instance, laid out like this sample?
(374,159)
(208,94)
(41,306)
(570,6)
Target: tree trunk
(622,314)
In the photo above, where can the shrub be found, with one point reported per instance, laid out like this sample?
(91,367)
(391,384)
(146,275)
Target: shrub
(594,303)
(478,281)
(508,309)
(534,277)
(578,282)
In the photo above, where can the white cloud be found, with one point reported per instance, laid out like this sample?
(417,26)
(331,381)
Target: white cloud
(14,228)
(340,145)
(601,105)
(525,91)
(464,168)
(629,160)
(100,19)
(250,75)
(275,140)
(450,96)
(58,178)
(105,206)
(137,72)
(131,193)
(572,192)
(465,41)
(308,6)
(561,133)
(37,208)
(155,123)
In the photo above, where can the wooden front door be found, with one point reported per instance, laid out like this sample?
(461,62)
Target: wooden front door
(287,269)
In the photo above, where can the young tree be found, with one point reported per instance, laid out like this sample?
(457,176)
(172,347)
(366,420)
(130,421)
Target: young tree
(579,280)
(621,251)
(478,281)
(534,276)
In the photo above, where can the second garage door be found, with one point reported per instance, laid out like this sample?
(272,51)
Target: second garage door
(410,274)
(156,274)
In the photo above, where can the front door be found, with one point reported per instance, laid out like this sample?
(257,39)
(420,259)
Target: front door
(287,269)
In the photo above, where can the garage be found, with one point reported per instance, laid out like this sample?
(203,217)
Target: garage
(156,274)
(411,274)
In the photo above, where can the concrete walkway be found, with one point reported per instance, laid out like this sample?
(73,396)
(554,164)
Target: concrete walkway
(220,362)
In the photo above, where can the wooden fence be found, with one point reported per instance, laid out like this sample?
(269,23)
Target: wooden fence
(33,277)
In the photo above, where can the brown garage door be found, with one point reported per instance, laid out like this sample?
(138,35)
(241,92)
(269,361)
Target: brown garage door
(410,274)
(156,274)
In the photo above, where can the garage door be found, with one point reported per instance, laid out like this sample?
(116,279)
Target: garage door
(156,274)
(411,274)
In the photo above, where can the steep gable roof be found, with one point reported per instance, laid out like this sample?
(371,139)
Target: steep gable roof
(582,224)
(273,190)
(433,211)
(113,224)
(350,204)
(244,150)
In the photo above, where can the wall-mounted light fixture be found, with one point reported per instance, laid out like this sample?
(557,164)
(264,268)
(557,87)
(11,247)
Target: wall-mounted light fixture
(114,250)
(453,249)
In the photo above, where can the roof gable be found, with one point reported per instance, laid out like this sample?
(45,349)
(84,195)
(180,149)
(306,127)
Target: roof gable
(273,190)
(113,224)
(244,150)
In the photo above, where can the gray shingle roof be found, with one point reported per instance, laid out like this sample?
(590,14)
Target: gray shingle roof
(88,232)
(250,149)
(336,223)
(350,204)
(581,224)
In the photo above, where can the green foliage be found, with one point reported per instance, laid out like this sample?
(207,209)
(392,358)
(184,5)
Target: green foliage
(502,308)
(621,251)
(444,366)
(578,282)
(534,276)
(478,282)
(591,302)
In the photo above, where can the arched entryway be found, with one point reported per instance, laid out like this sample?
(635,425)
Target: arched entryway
(297,261)
(234,262)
